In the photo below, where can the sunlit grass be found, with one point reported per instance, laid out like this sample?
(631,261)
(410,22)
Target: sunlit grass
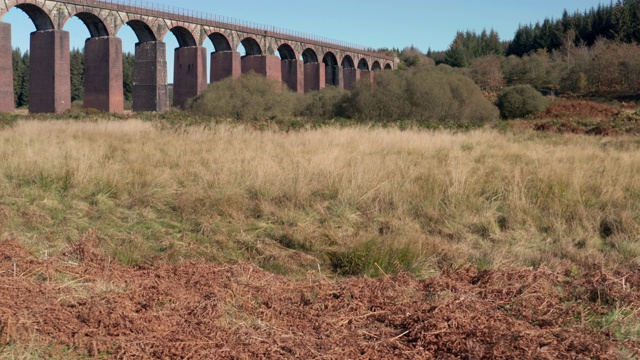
(352,200)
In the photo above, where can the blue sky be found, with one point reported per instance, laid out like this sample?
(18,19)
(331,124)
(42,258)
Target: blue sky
(376,23)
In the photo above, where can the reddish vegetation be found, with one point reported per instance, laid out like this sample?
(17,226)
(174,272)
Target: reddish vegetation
(561,127)
(91,305)
(579,109)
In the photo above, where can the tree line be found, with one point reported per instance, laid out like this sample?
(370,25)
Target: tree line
(21,76)
(619,21)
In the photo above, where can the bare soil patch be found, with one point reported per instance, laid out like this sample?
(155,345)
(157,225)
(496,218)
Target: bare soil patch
(83,303)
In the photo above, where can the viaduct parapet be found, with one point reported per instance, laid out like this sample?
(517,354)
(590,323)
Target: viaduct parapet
(305,63)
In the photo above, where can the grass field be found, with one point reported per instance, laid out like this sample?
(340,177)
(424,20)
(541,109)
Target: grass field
(534,235)
(347,201)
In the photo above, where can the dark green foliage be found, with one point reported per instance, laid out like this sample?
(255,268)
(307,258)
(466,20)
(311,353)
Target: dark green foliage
(425,96)
(520,101)
(619,21)
(20,78)
(469,45)
(327,103)
(128,60)
(77,75)
(252,97)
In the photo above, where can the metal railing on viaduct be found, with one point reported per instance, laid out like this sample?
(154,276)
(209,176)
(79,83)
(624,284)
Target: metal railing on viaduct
(304,62)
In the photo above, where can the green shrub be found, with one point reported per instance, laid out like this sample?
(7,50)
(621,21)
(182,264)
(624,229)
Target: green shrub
(251,97)
(424,96)
(520,101)
(327,103)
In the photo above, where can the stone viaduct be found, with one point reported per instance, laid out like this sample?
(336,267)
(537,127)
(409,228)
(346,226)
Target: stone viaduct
(303,62)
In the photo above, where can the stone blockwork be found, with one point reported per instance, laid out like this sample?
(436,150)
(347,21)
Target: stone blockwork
(225,64)
(7,101)
(151,22)
(103,74)
(189,74)
(150,90)
(269,66)
(49,72)
(350,76)
(334,76)
(314,77)
(293,75)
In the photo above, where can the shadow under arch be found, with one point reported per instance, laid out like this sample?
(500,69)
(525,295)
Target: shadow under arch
(142,30)
(251,47)
(185,37)
(332,70)
(38,16)
(220,42)
(363,65)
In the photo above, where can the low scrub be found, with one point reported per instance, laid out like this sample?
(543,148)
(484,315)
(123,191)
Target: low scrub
(521,101)
(423,96)
(252,97)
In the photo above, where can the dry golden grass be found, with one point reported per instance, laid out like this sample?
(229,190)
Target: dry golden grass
(351,200)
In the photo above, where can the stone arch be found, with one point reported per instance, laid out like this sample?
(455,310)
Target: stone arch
(184,36)
(309,56)
(332,71)
(286,52)
(329,59)
(347,62)
(388,66)
(251,46)
(94,24)
(376,66)
(38,15)
(220,41)
(363,65)
(142,30)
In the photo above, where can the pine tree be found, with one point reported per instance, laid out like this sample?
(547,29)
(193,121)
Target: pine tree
(23,93)
(456,54)
(128,60)
(18,71)
(77,75)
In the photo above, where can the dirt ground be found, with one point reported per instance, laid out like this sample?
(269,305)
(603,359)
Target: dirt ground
(85,304)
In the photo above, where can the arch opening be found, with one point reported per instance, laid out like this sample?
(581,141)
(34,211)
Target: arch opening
(94,24)
(142,30)
(286,52)
(309,56)
(332,71)
(330,59)
(40,18)
(220,42)
(363,65)
(388,67)
(376,66)
(347,62)
(251,47)
(185,37)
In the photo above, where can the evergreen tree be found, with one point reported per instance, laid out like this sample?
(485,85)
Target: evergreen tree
(456,54)
(619,21)
(18,71)
(77,75)
(468,46)
(128,60)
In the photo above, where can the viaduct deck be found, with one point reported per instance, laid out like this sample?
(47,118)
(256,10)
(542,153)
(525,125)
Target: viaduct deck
(304,62)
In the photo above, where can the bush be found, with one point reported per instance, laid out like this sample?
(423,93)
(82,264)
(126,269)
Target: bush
(251,97)
(520,101)
(425,96)
(327,103)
